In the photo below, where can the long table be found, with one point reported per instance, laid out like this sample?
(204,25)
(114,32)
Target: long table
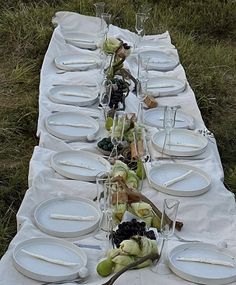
(210,217)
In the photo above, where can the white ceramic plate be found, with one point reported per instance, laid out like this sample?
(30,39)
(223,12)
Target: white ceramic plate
(160,60)
(81,125)
(74,206)
(81,40)
(161,86)
(73,95)
(182,142)
(84,165)
(196,183)
(53,248)
(201,273)
(77,62)
(154,118)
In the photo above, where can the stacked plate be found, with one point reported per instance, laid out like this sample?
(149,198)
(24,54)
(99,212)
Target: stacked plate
(73,95)
(80,165)
(81,40)
(71,126)
(155,118)
(67,217)
(203,263)
(179,179)
(165,86)
(49,259)
(159,60)
(77,62)
(179,143)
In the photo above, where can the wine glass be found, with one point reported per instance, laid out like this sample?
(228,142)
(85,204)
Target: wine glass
(117,131)
(168,220)
(99,8)
(142,150)
(105,22)
(169,123)
(105,95)
(139,25)
(141,93)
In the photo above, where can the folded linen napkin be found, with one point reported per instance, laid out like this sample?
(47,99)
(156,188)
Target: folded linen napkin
(75,94)
(184,144)
(72,217)
(160,85)
(69,124)
(70,163)
(177,179)
(206,260)
(48,259)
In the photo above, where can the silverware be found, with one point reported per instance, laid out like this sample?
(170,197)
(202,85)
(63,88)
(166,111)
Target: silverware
(185,240)
(64,71)
(75,84)
(90,246)
(180,157)
(78,280)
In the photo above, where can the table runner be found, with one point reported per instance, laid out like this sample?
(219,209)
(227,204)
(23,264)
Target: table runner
(209,217)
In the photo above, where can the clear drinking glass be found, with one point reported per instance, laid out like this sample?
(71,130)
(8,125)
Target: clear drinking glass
(105,95)
(99,8)
(168,220)
(139,26)
(117,133)
(141,93)
(105,22)
(169,123)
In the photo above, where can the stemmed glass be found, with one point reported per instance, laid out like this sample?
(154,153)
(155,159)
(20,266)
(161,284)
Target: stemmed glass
(105,95)
(99,8)
(169,123)
(168,220)
(117,132)
(105,22)
(142,150)
(140,19)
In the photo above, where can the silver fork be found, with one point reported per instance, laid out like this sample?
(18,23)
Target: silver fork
(185,240)
(78,280)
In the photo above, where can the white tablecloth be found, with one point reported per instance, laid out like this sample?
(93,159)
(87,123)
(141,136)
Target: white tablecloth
(209,217)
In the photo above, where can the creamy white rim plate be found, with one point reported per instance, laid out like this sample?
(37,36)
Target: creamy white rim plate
(50,247)
(178,137)
(79,157)
(81,40)
(74,206)
(73,95)
(196,183)
(161,86)
(77,62)
(68,132)
(199,272)
(154,118)
(159,60)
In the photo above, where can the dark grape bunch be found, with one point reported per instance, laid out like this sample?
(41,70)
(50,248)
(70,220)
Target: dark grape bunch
(118,88)
(126,230)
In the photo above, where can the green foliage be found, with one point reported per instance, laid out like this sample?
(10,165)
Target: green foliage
(203,31)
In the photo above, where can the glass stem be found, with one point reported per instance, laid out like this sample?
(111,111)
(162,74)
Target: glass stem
(140,113)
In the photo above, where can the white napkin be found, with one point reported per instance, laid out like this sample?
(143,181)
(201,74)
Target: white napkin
(69,124)
(48,259)
(177,179)
(206,260)
(75,94)
(160,85)
(72,217)
(184,144)
(70,163)
(78,61)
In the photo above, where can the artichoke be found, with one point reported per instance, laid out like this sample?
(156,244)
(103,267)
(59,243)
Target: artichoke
(130,247)
(132,180)
(111,45)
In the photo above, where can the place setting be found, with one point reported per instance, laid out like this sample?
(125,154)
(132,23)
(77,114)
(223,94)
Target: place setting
(76,95)
(77,62)
(72,126)
(82,40)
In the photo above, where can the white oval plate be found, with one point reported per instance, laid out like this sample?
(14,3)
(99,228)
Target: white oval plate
(74,206)
(91,164)
(201,273)
(160,60)
(81,40)
(74,132)
(50,247)
(73,95)
(161,86)
(154,118)
(196,183)
(77,62)
(189,142)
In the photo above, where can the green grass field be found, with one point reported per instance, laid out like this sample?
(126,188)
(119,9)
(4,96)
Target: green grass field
(203,31)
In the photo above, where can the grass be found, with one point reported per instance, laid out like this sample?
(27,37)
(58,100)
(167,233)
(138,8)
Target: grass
(203,31)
